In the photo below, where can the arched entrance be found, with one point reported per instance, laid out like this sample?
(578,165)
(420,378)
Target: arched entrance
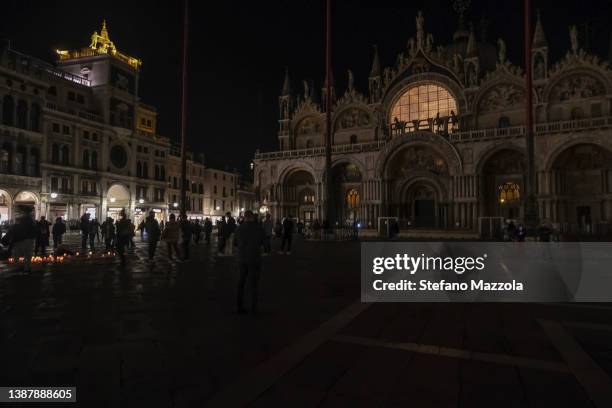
(581,186)
(418,180)
(27,199)
(117,199)
(299,196)
(347,183)
(420,204)
(502,178)
(5,207)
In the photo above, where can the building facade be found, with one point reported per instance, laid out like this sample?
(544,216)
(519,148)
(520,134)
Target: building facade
(75,137)
(439,139)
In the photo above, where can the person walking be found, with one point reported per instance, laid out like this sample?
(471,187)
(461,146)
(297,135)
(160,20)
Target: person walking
(132,235)
(287,235)
(58,231)
(85,227)
(124,233)
(230,228)
(186,233)
(141,228)
(42,236)
(96,226)
(249,239)
(170,236)
(108,233)
(207,230)
(267,226)
(22,236)
(278,229)
(153,233)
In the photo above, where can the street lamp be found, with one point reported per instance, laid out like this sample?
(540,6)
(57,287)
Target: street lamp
(113,199)
(242,209)
(218,208)
(53,195)
(141,201)
(175,205)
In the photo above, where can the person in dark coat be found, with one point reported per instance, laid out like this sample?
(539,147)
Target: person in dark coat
(153,233)
(58,231)
(125,232)
(287,235)
(42,236)
(220,237)
(250,238)
(108,232)
(207,229)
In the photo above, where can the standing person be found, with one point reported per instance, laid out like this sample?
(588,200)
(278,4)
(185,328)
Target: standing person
(42,236)
(58,231)
(141,228)
(278,229)
(96,226)
(287,235)
(230,228)
(249,238)
(94,230)
(220,235)
(521,232)
(85,227)
(267,228)
(22,236)
(108,232)
(207,229)
(125,233)
(185,235)
(316,229)
(153,233)
(197,232)
(170,236)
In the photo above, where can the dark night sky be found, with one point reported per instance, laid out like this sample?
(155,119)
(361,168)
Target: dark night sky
(238,50)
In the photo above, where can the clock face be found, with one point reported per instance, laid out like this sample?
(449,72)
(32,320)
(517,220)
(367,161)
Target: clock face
(118,156)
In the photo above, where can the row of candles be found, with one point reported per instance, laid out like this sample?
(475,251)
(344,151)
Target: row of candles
(59,258)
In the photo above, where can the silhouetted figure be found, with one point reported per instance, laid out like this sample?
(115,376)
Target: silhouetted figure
(153,233)
(267,228)
(521,232)
(287,235)
(94,228)
(58,231)
(124,231)
(197,232)
(171,236)
(108,233)
(85,227)
(22,236)
(230,228)
(42,236)
(185,235)
(249,239)
(207,229)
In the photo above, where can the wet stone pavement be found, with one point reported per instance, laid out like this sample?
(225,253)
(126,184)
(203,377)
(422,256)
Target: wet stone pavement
(166,334)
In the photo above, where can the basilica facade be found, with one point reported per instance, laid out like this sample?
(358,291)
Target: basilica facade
(439,140)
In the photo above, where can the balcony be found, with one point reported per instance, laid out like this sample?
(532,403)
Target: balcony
(82,114)
(576,125)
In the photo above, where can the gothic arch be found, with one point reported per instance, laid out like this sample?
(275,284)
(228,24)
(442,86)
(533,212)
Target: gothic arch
(494,149)
(431,140)
(593,140)
(404,185)
(599,79)
(284,175)
(396,91)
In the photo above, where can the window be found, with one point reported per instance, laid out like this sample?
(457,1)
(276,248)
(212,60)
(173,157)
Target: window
(86,134)
(509,192)
(503,122)
(353,139)
(35,117)
(423,102)
(145,170)
(66,130)
(142,121)
(174,183)
(55,153)
(94,137)
(215,176)
(65,155)
(8,105)
(201,189)
(54,184)
(162,173)
(80,99)
(215,189)
(94,160)
(224,192)
(139,149)
(86,159)
(146,149)
(55,127)
(149,122)
(163,154)
(352,199)
(71,96)
(22,114)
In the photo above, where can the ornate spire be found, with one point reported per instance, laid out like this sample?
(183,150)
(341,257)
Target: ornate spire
(375,71)
(286,83)
(460,7)
(539,39)
(104,30)
(472,50)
